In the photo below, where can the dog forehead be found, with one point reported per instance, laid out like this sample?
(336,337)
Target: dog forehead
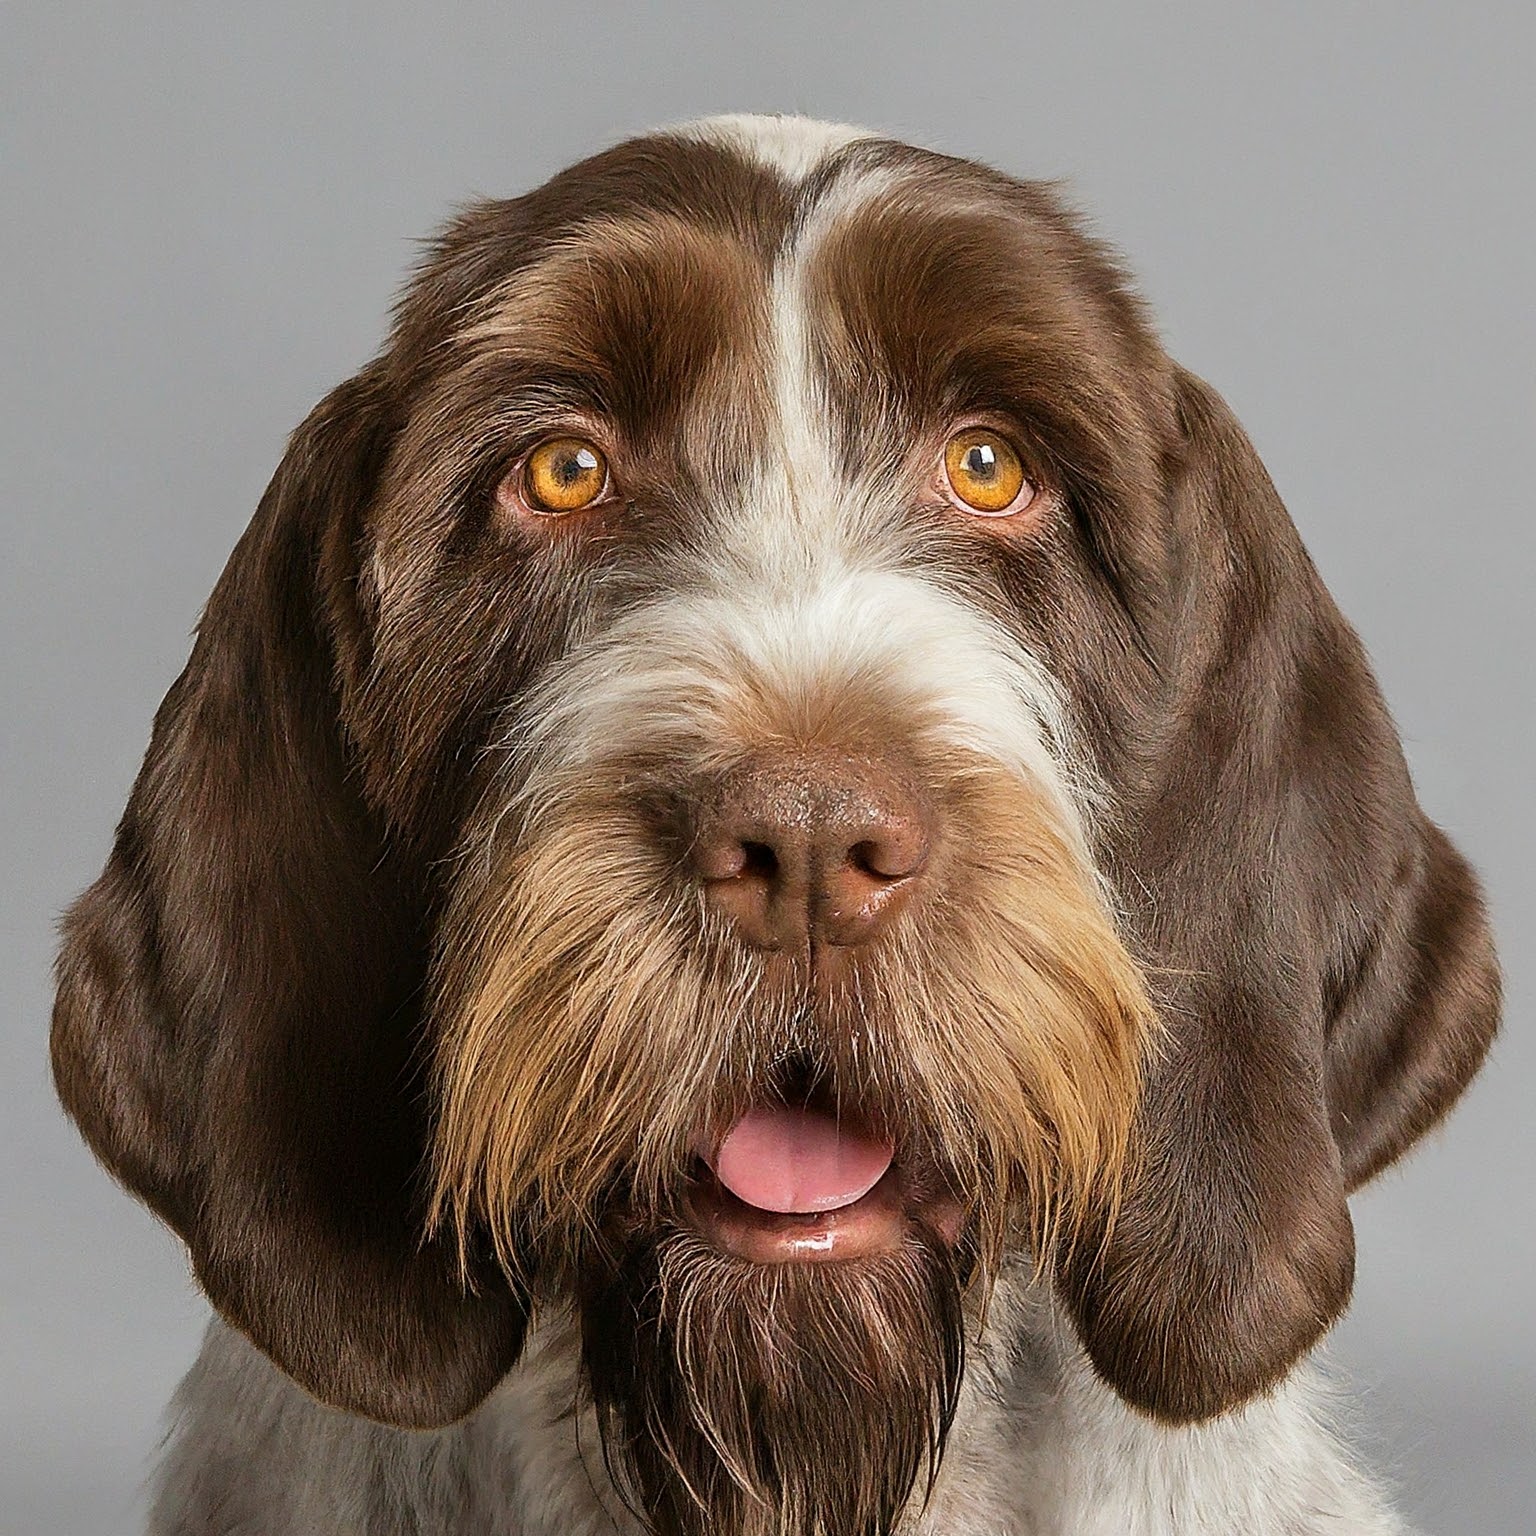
(629,317)
(703,261)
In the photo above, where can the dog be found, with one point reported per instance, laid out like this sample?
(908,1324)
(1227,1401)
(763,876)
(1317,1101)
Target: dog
(774,900)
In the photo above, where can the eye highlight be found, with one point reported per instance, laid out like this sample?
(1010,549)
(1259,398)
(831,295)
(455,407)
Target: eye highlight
(985,474)
(564,474)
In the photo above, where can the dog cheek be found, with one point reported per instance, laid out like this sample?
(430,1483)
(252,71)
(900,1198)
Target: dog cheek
(569,1053)
(1037,1020)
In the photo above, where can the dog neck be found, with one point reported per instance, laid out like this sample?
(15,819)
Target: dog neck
(1040,1447)
(1039,1444)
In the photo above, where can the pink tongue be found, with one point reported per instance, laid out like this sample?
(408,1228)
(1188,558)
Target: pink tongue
(799,1160)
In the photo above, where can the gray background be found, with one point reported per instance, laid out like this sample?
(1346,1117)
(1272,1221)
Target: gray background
(202,219)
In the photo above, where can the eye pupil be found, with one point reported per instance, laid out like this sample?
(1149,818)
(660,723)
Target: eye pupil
(575,465)
(981,461)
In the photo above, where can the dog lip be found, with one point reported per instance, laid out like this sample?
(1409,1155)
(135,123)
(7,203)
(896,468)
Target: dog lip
(880,1221)
(876,1222)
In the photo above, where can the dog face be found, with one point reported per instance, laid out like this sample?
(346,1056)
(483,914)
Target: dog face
(770,751)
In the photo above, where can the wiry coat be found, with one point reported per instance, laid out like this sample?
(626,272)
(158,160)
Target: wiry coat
(1040,1448)
(399,1001)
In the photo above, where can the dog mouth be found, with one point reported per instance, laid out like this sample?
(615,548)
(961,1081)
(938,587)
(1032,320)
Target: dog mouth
(809,1183)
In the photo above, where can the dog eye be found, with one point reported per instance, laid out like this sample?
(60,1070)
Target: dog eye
(985,473)
(564,474)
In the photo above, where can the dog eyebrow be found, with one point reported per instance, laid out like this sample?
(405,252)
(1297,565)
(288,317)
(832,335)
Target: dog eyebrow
(632,317)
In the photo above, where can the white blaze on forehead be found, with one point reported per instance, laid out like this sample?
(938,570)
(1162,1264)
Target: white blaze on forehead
(808,586)
(793,146)
(803,476)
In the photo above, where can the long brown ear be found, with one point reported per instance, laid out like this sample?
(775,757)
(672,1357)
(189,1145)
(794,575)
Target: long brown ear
(1328,974)
(1413,1010)
(237,1015)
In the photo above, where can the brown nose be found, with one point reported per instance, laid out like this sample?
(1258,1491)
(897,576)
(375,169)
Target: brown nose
(803,849)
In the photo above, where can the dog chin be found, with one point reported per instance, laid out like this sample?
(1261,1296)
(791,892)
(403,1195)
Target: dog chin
(738,1390)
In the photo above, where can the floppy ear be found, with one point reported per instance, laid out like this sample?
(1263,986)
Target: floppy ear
(1327,972)
(238,994)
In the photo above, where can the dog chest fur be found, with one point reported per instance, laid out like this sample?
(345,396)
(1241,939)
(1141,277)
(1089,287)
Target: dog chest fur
(1040,1448)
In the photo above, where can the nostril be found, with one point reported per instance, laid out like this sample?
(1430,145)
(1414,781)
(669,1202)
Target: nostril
(753,884)
(869,859)
(732,858)
(759,859)
(861,891)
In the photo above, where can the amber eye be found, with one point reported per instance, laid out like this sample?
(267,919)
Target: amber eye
(984,472)
(564,474)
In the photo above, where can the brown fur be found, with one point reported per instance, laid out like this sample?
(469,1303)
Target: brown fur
(322,990)
(768,1401)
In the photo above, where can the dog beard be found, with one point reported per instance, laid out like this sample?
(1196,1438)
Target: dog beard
(772,1400)
(596,1026)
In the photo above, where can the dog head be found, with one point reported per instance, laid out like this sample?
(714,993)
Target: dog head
(770,751)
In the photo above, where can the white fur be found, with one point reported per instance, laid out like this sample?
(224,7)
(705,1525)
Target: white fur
(1039,1448)
(793,146)
(806,585)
